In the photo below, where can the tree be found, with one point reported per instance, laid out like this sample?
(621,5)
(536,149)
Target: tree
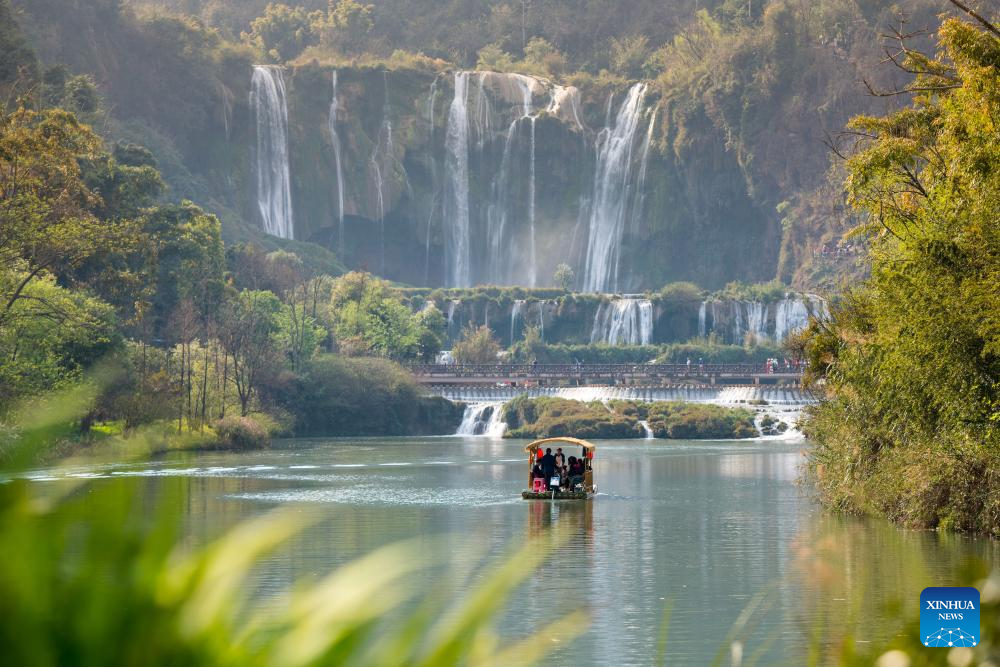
(433,331)
(478,346)
(249,324)
(370,319)
(283,32)
(564,277)
(346,25)
(46,224)
(50,336)
(629,56)
(911,358)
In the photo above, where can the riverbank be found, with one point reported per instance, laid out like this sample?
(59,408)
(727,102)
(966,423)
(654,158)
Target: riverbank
(548,417)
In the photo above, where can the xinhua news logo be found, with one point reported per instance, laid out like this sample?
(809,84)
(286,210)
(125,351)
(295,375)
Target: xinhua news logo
(949,616)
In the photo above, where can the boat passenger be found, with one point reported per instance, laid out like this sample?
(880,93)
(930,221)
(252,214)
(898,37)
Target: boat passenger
(548,463)
(576,472)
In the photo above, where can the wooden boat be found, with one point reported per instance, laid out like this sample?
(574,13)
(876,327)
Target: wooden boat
(584,491)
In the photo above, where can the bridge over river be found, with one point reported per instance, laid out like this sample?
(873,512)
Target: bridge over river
(647,375)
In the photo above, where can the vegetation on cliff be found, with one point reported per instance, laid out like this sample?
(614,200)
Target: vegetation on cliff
(909,428)
(548,417)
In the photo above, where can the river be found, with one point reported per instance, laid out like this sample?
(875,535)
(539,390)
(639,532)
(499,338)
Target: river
(706,527)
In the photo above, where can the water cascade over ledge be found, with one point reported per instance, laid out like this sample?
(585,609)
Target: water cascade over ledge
(274,190)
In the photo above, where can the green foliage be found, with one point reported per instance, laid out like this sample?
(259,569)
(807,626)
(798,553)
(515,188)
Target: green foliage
(282,33)
(548,417)
(478,346)
(341,396)
(629,56)
(50,336)
(145,596)
(763,292)
(910,364)
(371,319)
(564,276)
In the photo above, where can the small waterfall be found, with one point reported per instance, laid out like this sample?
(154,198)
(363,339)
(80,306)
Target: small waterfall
(335,140)
(790,316)
(483,419)
(611,194)
(541,320)
(757,320)
(432,160)
(382,162)
(702,317)
(736,307)
(274,189)
(623,322)
(456,201)
(515,318)
(645,427)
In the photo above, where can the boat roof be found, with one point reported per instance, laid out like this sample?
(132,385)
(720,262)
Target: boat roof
(572,441)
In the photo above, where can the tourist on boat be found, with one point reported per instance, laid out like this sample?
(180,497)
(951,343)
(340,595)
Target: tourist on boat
(576,470)
(536,472)
(548,463)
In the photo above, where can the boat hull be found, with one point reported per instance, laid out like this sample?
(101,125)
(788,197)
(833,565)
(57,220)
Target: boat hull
(557,495)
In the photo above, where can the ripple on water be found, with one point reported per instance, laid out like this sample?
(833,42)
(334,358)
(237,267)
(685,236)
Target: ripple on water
(381,495)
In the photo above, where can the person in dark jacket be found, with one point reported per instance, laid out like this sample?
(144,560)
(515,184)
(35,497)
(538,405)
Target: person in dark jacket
(548,465)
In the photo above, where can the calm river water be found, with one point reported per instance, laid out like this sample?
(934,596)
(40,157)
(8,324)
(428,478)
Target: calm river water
(703,526)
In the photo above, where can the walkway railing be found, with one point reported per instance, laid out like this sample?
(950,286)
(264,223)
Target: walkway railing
(599,370)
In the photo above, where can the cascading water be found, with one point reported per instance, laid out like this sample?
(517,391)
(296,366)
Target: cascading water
(456,200)
(483,419)
(756,320)
(609,208)
(274,189)
(515,318)
(335,141)
(533,274)
(702,317)
(623,322)
(790,316)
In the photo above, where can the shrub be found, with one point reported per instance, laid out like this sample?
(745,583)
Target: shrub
(241,434)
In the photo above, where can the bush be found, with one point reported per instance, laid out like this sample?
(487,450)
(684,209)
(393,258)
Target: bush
(241,434)
(340,396)
(548,417)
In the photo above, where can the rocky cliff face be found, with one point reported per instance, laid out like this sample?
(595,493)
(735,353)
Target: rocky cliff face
(464,178)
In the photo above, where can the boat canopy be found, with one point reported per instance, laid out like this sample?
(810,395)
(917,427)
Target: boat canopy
(573,441)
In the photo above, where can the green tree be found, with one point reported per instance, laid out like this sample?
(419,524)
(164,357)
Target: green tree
(478,346)
(283,32)
(564,276)
(250,321)
(370,318)
(346,25)
(912,357)
(629,56)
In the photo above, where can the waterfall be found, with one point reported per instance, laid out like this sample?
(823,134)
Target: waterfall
(432,97)
(541,320)
(456,201)
(623,322)
(483,419)
(611,194)
(790,316)
(702,317)
(645,427)
(515,317)
(640,189)
(335,140)
(533,274)
(736,307)
(383,156)
(274,189)
(757,320)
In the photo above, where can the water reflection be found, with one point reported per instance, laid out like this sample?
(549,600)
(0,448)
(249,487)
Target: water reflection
(711,527)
